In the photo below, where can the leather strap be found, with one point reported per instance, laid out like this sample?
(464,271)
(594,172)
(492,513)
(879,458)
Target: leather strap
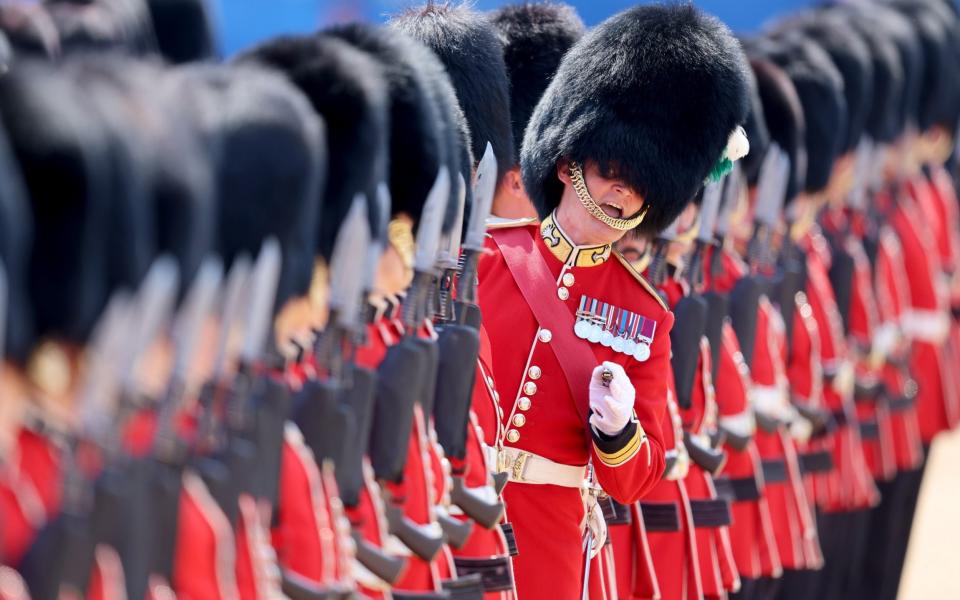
(614,512)
(869,429)
(495,574)
(738,489)
(816,462)
(539,288)
(774,470)
(660,516)
(710,513)
(511,538)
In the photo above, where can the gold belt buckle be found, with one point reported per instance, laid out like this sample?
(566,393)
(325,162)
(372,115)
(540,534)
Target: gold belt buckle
(518,464)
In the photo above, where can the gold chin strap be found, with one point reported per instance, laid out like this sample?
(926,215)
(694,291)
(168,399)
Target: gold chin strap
(580,187)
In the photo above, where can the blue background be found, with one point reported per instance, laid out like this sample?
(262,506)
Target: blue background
(241,23)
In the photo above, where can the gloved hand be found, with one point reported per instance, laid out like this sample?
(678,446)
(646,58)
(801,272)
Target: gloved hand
(611,406)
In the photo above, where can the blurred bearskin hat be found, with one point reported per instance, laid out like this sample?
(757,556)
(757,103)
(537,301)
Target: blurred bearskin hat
(535,37)
(270,166)
(756,128)
(183,29)
(29,29)
(820,88)
(346,87)
(783,115)
(467,44)
(16,231)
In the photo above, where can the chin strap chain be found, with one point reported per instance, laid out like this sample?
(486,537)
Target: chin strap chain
(580,187)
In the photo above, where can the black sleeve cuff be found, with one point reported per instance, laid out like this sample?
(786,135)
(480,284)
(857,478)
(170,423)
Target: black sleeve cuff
(614,444)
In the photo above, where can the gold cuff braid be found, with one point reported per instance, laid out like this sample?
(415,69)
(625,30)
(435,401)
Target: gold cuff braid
(580,187)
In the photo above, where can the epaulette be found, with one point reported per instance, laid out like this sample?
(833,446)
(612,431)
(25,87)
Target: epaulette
(643,280)
(501,223)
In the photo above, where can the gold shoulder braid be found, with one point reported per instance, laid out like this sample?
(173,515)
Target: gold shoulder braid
(580,187)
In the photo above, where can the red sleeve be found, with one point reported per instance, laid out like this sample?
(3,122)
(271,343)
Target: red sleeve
(628,466)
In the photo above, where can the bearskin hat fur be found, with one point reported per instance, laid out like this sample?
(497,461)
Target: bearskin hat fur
(346,87)
(414,114)
(103,24)
(15,237)
(61,153)
(851,56)
(937,34)
(654,92)
(270,167)
(783,115)
(467,44)
(183,29)
(881,123)
(29,29)
(757,133)
(535,37)
(820,89)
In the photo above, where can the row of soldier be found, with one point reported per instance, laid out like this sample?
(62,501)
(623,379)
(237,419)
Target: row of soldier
(320,414)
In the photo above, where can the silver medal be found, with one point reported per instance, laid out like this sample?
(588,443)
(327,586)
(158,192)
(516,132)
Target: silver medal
(582,329)
(618,344)
(629,346)
(595,332)
(642,351)
(606,338)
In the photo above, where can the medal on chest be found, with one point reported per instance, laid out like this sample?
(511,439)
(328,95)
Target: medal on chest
(621,330)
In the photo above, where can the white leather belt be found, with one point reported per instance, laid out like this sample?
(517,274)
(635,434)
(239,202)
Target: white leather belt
(927,325)
(526,467)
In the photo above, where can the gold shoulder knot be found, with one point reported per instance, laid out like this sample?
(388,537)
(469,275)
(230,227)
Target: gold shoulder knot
(643,281)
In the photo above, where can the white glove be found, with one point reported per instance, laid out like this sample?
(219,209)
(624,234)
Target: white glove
(611,406)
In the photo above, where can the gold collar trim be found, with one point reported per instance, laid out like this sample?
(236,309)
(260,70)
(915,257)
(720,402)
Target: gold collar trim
(566,251)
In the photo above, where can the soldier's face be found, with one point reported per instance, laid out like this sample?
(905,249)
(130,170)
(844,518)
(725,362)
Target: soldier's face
(611,194)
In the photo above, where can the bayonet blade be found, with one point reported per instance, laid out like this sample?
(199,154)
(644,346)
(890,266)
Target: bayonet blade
(450,245)
(196,307)
(265,277)
(731,194)
(107,341)
(431,223)
(151,310)
(863,158)
(378,233)
(771,186)
(237,283)
(709,207)
(349,252)
(484,189)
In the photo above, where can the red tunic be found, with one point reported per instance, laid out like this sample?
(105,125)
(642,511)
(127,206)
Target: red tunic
(547,422)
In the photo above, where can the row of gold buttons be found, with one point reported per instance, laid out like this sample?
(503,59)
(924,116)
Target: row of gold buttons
(518,420)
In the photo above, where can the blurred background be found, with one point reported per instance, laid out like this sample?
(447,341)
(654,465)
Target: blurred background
(244,22)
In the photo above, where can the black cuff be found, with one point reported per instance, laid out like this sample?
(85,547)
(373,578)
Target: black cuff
(613,444)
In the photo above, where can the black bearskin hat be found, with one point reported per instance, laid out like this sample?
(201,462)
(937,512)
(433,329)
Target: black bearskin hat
(270,166)
(15,238)
(783,115)
(103,24)
(895,27)
(535,37)
(183,29)
(851,56)
(346,87)
(655,93)
(757,132)
(417,127)
(467,44)
(881,123)
(29,29)
(61,152)
(820,89)
(938,35)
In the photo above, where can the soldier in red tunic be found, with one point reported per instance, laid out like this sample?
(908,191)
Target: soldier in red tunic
(580,340)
